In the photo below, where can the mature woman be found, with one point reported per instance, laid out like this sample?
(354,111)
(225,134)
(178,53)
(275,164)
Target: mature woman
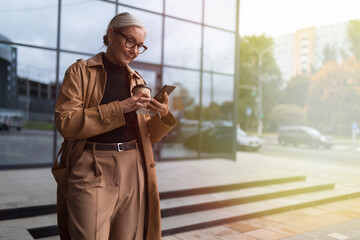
(107,185)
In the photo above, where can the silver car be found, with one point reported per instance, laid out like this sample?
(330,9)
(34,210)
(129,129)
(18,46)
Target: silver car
(246,142)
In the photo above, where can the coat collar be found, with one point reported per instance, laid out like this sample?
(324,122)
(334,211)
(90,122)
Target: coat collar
(97,61)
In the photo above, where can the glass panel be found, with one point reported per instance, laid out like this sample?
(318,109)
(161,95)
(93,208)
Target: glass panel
(39,65)
(84,23)
(29,22)
(181,9)
(150,79)
(26,117)
(66,59)
(153,5)
(184,105)
(219,51)
(221,13)
(153,40)
(182,43)
(217,114)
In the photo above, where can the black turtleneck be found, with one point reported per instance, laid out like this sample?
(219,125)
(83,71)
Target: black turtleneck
(117,88)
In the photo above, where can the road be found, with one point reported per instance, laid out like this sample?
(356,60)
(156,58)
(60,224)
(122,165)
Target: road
(340,154)
(35,147)
(26,147)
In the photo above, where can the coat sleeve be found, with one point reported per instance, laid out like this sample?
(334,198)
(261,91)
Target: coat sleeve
(159,127)
(74,122)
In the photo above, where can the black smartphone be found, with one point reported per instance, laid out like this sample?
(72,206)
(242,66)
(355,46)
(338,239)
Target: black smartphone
(166,88)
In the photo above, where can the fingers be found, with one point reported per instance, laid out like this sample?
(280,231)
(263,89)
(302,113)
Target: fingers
(144,105)
(158,104)
(142,94)
(143,100)
(166,98)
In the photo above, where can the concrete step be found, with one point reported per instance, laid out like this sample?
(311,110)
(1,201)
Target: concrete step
(201,202)
(16,229)
(202,219)
(225,183)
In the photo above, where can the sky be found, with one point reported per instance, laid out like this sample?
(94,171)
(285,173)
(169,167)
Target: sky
(271,17)
(279,17)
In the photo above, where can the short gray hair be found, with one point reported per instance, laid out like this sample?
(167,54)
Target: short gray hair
(121,21)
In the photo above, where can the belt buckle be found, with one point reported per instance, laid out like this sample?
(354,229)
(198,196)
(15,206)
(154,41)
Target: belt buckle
(119,148)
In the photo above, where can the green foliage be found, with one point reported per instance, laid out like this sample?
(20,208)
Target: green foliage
(296,91)
(39,125)
(252,48)
(287,114)
(330,54)
(353,30)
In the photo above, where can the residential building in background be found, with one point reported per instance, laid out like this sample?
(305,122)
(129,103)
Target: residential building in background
(304,50)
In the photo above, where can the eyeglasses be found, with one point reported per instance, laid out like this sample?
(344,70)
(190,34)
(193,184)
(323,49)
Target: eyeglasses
(131,43)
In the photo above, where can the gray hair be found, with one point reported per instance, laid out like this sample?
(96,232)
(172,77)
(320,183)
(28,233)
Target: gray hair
(121,21)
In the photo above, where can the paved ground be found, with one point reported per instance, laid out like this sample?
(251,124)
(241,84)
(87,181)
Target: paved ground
(334,221)
(339,220)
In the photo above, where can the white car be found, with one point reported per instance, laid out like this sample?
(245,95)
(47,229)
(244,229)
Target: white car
(246,142)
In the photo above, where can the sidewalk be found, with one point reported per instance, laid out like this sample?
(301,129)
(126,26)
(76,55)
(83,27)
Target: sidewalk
(338,220)
(334,221)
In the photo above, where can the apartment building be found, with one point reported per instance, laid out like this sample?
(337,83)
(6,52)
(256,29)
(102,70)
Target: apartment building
(303,50)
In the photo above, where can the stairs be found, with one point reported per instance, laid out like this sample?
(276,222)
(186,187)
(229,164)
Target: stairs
(202,204)
(187,209)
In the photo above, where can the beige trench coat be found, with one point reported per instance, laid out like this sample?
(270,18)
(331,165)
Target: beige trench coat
(79,116)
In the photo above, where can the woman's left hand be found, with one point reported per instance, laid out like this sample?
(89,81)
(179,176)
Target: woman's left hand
(159,108)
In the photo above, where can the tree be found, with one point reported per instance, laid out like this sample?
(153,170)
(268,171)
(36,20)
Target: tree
(252,48)
(353,30)
(287,114)
(296,91)
(334,96)
(329,54)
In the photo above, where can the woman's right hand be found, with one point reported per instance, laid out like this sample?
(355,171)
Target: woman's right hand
(139,100)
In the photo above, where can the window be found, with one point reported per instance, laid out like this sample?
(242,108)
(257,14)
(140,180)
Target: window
(219,51)
(221,14)
(182,44)
(29,22)
(192,13)
(85,22)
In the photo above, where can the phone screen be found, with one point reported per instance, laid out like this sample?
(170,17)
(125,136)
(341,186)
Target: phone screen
(167,88)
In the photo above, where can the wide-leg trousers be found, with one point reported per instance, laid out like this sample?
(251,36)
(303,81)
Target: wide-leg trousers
(105,196)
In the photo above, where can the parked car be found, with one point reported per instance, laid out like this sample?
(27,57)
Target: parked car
(296,135)
(247,142)
(11,119)
(219,139)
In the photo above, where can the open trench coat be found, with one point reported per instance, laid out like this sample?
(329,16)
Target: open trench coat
(79,116)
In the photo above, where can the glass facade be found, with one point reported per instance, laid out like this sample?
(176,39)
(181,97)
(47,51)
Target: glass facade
(190,47)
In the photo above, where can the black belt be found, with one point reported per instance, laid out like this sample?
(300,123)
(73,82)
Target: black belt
(119,147)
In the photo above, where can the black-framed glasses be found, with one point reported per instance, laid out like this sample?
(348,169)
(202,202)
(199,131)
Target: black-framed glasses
(131,43)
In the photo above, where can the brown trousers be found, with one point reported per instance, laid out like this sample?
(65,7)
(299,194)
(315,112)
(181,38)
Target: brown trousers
(105,196)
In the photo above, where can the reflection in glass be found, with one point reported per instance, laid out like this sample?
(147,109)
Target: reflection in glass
(184,105)
(30,86)
(153,40)
(217,114)
(83,25)
(219,51)
(217,89)
(153,5)
(182,43)
(35,64)
(149,77)
(29,22)
(221,13)
(66,60)
(186,9)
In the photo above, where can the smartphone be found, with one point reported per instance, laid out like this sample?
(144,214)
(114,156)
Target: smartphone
(166,88)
